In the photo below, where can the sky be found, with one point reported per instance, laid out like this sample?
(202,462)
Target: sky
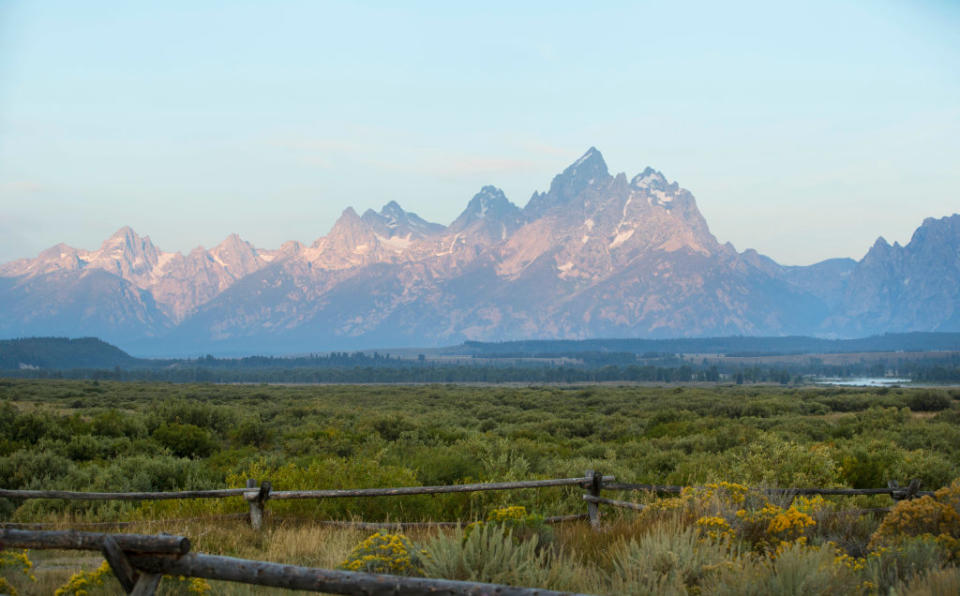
(805,130)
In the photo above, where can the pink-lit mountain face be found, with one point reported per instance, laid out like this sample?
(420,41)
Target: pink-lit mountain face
(596,255)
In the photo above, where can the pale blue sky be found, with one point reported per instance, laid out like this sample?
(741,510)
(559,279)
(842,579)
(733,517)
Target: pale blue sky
(805,130)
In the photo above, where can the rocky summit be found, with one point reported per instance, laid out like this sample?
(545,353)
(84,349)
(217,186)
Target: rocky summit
(596,255)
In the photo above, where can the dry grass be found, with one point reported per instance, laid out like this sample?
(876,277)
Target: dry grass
(595,547)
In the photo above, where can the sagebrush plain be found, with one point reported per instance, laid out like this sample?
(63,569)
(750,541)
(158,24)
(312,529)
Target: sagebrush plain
(726,440)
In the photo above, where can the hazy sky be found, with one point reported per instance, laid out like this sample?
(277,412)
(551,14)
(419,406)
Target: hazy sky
(805,129)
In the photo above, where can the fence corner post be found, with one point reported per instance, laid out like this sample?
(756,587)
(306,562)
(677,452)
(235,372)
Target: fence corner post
(593,509)
(258,503)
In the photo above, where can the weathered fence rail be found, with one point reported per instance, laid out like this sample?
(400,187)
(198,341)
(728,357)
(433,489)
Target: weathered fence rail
(895,491)
(614,502)
(422,490)
(74,540)
(71,495)
(140,561)
(332,581)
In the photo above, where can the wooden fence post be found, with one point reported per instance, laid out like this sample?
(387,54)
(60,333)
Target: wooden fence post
(147,584)
(905,493)
(593,509)
(258,503)
(119,564)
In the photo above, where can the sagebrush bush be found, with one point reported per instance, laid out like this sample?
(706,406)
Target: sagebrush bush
(518,522)
(671,559)
(797,570)
(931,583)
(490,554)
(912,557)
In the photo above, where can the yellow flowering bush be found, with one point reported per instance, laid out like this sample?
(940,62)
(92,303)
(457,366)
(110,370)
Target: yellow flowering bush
(517,522)
(513,513)
(789,524)
(771,525)
(385,553)
(730,492)
(810,505)
(715,529)
(81,582)
(190,585)
(695,502)
(950,495)
(15,562)
(926,516)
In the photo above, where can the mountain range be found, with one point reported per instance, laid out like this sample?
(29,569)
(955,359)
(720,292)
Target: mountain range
(596,255)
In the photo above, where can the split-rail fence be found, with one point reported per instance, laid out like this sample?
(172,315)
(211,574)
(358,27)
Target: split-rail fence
(258,494)
(139,561)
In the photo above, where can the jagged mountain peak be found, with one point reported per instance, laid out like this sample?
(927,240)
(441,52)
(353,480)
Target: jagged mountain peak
(126,238)
(393,210)
(650,178)
(123,232)
(590,162)
(347,214)
(349,224)
(57,251)
(234,244)
(394,220)
(492,210)
(588,171)
(237,256)
(232,239)
(943,227)
(490,200)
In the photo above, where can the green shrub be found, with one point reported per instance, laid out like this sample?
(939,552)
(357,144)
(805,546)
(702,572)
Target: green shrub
(253,431)
(928,401)
(185,440)
(769,461)
(32,469)
(869,464)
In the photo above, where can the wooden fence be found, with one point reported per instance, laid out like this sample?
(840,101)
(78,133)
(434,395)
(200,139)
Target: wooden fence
(257,495)
(140,561)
